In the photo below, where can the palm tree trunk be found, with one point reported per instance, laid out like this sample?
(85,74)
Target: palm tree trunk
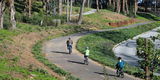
(29,13)
(97,6)
(80,14)
(12,13)
(67,9)
(135,6)
(25,7)
(114,4)
(44,7)
(59,7)
(127,8)
(118,6)
(2,12)
(70,11)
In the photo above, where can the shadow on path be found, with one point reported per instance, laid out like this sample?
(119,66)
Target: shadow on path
(75,62)
(103,74)
(59,52)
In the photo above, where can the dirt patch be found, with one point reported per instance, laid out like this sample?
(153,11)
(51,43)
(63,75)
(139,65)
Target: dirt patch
(21,48)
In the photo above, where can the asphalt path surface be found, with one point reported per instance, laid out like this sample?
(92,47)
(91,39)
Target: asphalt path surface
(127,50)
(57,53)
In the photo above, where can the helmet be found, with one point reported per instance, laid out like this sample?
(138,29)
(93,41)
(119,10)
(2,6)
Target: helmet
(87,48)
(69,37)
(119,58)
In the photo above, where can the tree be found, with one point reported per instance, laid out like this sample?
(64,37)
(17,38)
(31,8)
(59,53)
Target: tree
(44,7)
(70,11)
(135,8)
(87,3)
(29,9)
(81,11)
(127,8)
(155,3)
(123,5)
(67,9)
(47,7)
(97,6)
(149,54)
(2,12)
(118,5)
(59,7)
(12,13)
(25,7)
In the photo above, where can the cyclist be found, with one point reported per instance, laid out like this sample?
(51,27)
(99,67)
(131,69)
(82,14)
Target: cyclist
(119,65)
(69,43)
(86,53)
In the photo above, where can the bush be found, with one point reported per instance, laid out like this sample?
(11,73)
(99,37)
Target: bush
(18,17)
(111,7)
(6,22)
(131,13)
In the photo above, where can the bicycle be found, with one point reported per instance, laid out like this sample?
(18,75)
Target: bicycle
(120,73)
(86,60)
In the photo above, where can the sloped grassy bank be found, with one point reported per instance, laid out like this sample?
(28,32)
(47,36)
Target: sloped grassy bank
(101,44)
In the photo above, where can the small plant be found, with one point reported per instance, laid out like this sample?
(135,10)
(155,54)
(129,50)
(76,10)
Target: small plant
(42,35)
(15,59)
(31,66)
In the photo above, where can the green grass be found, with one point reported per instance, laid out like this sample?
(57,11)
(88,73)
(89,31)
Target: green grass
(148,16)
(101,44)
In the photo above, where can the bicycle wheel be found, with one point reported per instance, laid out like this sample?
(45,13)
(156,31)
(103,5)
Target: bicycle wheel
(117,73)
(69,50)
(122,75)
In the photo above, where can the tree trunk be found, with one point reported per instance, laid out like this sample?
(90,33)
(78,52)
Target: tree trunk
(87,3)
(67,10)
(127,8)
(12,13)
(25,7)
(118,6)
(135,6)
(80,14)
(70,11)
(44,7)
(114,4)
(123,5)
(47,7)
(109,2)
(59,7)
(29,13)
(146,59)
(101,4)
(2,12)
(145,4)
(155,4)
(97,6)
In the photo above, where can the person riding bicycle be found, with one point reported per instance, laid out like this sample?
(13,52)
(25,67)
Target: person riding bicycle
(120,64)
(69,43)
(86,53)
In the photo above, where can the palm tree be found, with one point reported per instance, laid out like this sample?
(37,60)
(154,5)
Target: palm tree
(59,7)
(2,12)
(80,14)
(29,9)
(12,13)
(70,11)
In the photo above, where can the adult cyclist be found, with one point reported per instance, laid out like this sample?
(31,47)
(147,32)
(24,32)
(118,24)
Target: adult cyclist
(69,43)
(120,64)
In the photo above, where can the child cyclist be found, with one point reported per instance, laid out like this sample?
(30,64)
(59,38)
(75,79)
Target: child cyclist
(119,65)
(86,53)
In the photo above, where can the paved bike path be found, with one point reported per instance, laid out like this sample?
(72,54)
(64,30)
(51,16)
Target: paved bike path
(56,52)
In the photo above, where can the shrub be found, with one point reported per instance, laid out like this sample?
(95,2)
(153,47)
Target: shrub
(111,7)
(6,22)
(18,17)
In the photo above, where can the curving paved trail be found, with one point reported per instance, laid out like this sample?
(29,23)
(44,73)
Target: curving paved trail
(57,53)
